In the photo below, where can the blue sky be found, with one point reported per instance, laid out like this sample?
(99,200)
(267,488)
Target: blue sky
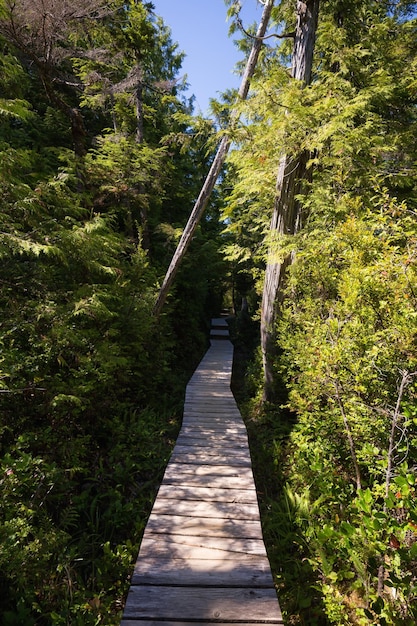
(201,31)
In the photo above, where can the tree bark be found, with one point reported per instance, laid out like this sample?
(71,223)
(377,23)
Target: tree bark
(78,131)
(139,105)
(144,236)
(287,214)
(203,198)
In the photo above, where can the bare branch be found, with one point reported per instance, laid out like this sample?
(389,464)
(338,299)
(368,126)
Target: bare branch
(276,35)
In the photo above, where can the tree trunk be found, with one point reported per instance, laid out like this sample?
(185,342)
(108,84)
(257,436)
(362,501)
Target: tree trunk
(73,114)
(286,217)
(216,166)
(144,235)
(139,107)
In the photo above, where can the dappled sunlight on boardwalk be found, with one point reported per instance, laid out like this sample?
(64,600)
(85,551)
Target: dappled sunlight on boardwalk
(202,558)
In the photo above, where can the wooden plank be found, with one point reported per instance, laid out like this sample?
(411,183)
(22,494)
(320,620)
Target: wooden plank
(212,409)
(221,427)
(207,388)
(219,510)
(189,603)
(212,448)
(203,411)
(211,412)
(203,433)
(208,459)
(218,451)
(209,393)
(219,321)
(222,417)
(186,479)
(202,547)
(203,430)
(133,622)
(254,572)
(222,470)
(214,421)
(209,494)
(225,441)
(223,401)
(213,406)
(158,548)
(201,526)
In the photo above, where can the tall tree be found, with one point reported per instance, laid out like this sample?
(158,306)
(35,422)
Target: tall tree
(347,322)
(216,166)
(41,31)
(291,176)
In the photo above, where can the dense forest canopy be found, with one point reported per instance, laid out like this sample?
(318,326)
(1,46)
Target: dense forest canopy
(311,231)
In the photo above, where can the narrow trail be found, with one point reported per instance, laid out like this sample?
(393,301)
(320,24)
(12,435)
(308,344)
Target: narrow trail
(202,558)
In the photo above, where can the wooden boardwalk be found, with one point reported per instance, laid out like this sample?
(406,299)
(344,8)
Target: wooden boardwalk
(202,559)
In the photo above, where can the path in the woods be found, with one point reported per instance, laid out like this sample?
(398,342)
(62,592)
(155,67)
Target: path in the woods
(202,558)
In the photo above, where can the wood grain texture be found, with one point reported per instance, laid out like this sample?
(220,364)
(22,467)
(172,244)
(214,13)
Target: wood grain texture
(209,459)
(202,558)
(253,572)
(219,451)
(133,622)
(220,510)
(188,479)
(189,603)
(208,470)
(183,547)
(203,526)
(207,494)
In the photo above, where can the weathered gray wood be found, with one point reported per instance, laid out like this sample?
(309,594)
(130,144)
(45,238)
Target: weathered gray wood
(211,480)
(128,622)
(208,470)
(220,510)
(211,410)
(207,494)
(226,441)
(202,451)
(203,429)
(213,414)
(222,428)
(254,572)
(202,558)
(203,526)
(218,416)
(209,446)
(208,459)
(176,550)
(189,603)
(182,546)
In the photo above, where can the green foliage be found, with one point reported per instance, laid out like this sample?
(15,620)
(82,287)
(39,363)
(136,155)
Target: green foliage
(345,495)
(348,334)
(69,532)
(90,382)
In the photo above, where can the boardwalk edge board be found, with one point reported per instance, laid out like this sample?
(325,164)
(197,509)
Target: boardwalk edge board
(202,560)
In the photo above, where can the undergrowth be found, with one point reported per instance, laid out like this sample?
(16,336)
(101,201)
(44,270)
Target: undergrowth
(269,428)
(71,531)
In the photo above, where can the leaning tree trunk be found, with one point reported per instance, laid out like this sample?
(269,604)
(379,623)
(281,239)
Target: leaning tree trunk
(286,218)
(216,166)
